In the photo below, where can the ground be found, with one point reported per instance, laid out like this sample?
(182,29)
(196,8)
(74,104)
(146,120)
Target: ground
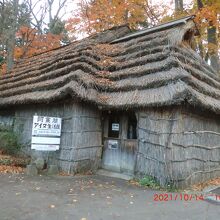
(92,198)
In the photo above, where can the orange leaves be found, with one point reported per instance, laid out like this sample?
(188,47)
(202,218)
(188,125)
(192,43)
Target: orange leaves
(32,42)
(207,20)
(11,169)
(18,52)
(99,15)
(10,164)
(201,186)
(120,12)
(3,69)
(71,23)
(42,43)
(207,14)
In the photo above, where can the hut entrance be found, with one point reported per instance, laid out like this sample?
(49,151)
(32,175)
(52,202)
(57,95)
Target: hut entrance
(120,142)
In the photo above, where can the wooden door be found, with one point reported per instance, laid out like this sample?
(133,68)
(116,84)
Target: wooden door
(111,159)
(128,156)
(119,153)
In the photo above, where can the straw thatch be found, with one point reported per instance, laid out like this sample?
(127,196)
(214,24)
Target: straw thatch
(153,67)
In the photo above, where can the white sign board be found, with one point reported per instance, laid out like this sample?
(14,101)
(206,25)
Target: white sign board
(115,127)
(112,144)
(46,133)
(43,140)
(46,126)
(44,147)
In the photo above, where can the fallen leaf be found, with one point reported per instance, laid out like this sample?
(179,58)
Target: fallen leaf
(11,169)
(201,186)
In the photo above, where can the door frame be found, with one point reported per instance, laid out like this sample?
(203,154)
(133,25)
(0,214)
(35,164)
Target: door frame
(124,142)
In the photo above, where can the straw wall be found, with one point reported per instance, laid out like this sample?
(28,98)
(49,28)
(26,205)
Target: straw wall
(6,119)
(80,148)
(195,153)
(154,128)
(178,146)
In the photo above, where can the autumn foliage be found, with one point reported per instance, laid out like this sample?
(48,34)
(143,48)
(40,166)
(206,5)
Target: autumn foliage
(99,15)
(208,17)
(32,43)
(10,164)
(29,43)
(28,28)
(94,16)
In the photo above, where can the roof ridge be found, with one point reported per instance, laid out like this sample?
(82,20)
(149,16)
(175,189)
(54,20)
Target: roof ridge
(156,28)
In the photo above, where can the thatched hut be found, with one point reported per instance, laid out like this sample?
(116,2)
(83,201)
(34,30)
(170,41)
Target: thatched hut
(140,103)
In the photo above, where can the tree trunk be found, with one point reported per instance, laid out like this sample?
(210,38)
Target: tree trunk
(213,47)
(199,4)
(11,38)
(178,5)
(200,45)
(212,53)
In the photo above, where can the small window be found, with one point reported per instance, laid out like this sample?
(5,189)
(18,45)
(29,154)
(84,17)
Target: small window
(114,126)
(132,127)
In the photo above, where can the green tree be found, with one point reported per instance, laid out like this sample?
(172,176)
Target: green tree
(25,32)
(12,16)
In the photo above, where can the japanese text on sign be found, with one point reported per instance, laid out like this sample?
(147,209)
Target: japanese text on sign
(115,127)
(46,126)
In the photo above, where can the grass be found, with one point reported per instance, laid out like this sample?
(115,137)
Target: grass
(151,183)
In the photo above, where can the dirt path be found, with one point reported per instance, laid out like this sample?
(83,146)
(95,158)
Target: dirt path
(92,198)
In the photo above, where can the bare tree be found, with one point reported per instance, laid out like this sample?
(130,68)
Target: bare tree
(38,12)
(61,5)
(42,9)
(42,14)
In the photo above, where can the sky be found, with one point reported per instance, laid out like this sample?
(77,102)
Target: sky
(72,5)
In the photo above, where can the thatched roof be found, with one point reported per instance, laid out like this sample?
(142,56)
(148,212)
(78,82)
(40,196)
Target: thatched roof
(119,69)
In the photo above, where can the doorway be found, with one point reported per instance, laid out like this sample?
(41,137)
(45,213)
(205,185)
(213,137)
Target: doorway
(120,141)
